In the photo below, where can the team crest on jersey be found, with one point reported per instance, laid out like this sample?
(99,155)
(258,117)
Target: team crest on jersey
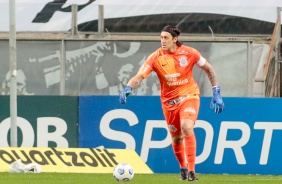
(183,61)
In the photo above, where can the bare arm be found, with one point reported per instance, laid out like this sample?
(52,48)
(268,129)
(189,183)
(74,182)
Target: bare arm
(210,73)
(135,81)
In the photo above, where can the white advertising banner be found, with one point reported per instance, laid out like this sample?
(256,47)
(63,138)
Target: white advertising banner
(48,15)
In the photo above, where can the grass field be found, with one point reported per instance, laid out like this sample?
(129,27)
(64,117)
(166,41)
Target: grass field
(62,178)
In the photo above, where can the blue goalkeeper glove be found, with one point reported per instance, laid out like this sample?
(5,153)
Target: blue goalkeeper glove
(217,102)
(122,97)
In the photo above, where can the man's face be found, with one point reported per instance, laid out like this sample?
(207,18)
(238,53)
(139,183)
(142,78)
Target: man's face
(167,41)
(21,81)
(124,73)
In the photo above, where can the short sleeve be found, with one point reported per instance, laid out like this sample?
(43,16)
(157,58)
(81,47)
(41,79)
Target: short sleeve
(148,66)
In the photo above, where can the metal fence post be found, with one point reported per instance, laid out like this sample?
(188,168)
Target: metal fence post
(63,68)
(13,75)
(101,20)
(74,20)
(278,52)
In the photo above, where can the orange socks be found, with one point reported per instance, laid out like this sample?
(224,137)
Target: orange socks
(179,152)
(190,149)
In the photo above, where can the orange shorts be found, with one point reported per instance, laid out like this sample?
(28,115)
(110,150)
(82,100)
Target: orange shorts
(188,109)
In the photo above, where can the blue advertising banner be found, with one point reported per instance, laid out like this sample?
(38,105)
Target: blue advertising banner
(244,139)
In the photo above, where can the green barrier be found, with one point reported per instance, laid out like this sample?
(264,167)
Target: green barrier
(43,121)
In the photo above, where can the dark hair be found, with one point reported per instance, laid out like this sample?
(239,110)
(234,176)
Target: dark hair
(174,31)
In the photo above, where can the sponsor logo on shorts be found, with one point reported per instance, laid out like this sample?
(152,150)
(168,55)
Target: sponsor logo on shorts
(172,128)
(190,109)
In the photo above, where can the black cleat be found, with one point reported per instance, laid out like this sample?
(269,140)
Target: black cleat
(192,176)
(183,174)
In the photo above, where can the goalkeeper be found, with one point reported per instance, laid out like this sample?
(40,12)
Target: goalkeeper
(173,64)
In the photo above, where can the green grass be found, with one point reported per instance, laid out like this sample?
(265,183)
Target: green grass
(67,178)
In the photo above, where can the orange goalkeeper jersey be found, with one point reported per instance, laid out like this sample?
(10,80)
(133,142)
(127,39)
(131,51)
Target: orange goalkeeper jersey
(174,71)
